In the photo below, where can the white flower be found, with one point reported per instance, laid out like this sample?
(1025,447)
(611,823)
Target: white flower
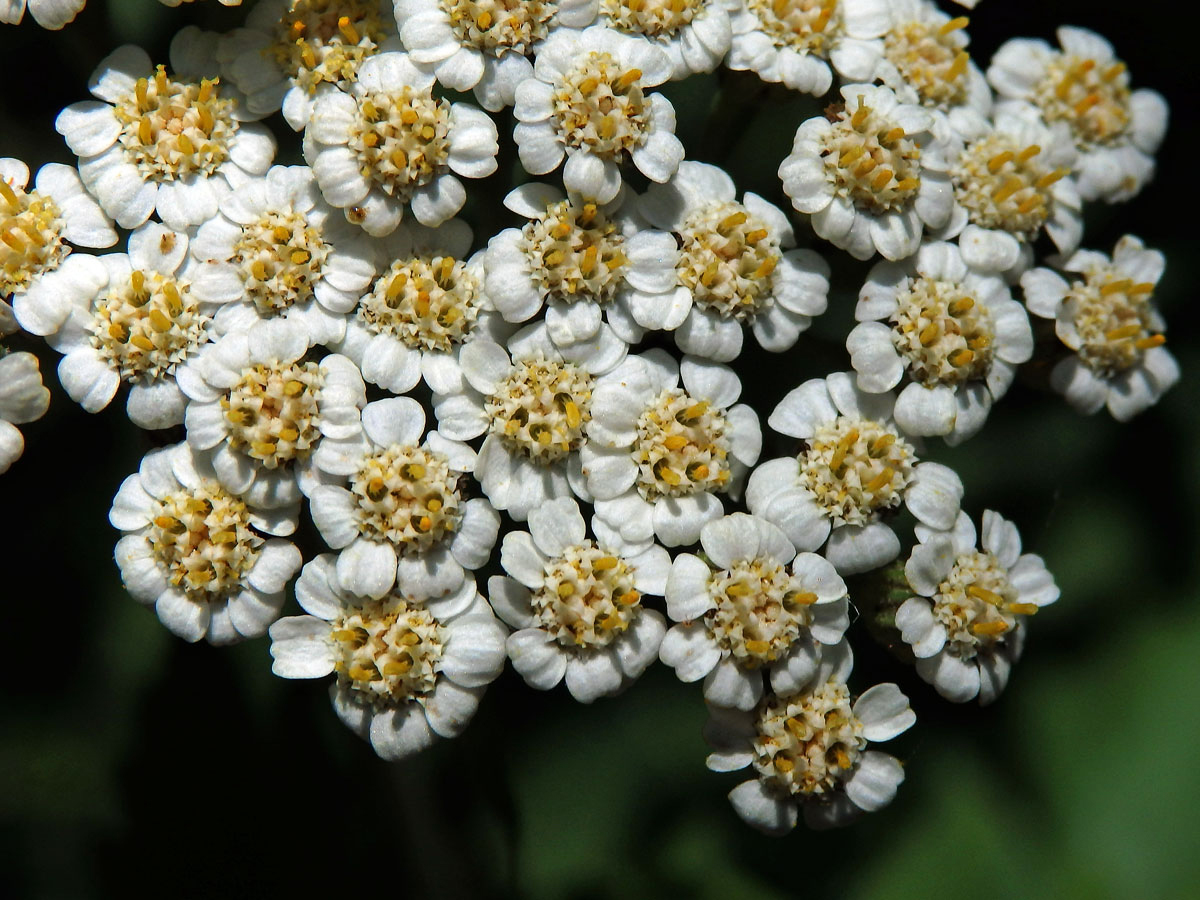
(390,142)
(426,304)
(289,48)
(1011,182)
(50,14)
(137,321)
(579,260)
(535,405)
(754,608)
(399,501)
(967,626)
(925,61)
(734,266)
(38,227)
(577,605)
(154,143)
(407,671)
(1108,318)
(954,334)
(809,750)
(854,468)
(794,41)
(266,412)
(695,33)
(23,398)
(873,177)
(277,250)
(194,551)
(174,3)
(658,454)
(1117,131)
(587,102)
(484,44)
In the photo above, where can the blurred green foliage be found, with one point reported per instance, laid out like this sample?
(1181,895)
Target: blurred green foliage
(131,762)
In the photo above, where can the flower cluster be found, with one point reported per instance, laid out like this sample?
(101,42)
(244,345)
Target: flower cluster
(563,397)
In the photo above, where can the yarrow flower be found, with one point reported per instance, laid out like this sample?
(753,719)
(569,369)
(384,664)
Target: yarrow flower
(265,411)
(796,41)
(966,627)
(587,101)
(407,671)
(39,225)
(752,609)
(695,33)
(50,14)
(1108,319)
(534,400)
(855,468)
(400,508)
(428,301)
(389,143)
(1011,183)
(577,605)
(151,142)
(196,553)
(658,453)
(954,334)
(485,45)
(23,398)
(872,175)
(578,260)
(288,49)
(140,323)
(276,249)
(1116,130)
(735,266)
(808,749)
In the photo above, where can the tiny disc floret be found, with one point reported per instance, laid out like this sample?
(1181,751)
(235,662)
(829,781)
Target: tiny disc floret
(1006,186)
(856,469)
(540,409)
(726,260)
(977,604)
(408,497)
(600,106)
(806,26)
(174,129)
(682,447)
(575,252)
(31,237)
(281,258)
(943,333)
(497,27)
(147,326)
(759,611)
(401,139)
(869,160)
(930,58)
(272,413)
(653,18)
(388,651)
(428,303)
(1115,321)
(587,598)
(203,538)
(807,744)
(1092,99)
(325,41)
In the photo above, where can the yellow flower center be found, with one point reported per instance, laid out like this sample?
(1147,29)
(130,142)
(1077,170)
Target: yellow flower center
(682,447)
(943,334)
(408,497)
(429,303)
(31,241)
(856,468)
(541,408)
(574,252)
(600,106)
(587,598)
(202,537)
(388,651)
(273,413)
(871,161)
(325,41)
(807,744)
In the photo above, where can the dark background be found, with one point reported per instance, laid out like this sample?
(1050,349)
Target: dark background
(131,762)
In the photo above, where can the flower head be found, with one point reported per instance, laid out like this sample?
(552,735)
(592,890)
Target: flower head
(577,604)
(966,624)
(197,553)
(407,671)
(695,33)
